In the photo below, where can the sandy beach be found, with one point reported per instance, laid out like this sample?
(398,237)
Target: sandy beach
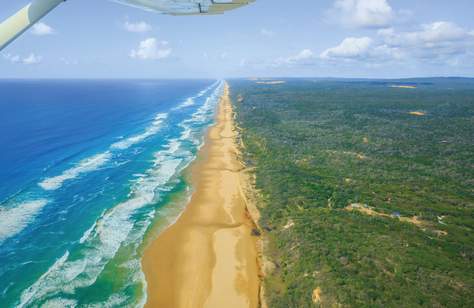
(209,257)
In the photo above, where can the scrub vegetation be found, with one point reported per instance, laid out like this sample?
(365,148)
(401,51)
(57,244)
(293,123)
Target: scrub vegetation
(366,189)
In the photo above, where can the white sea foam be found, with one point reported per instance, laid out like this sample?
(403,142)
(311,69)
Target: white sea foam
(15,219)
(86,165)
(187,131)
(187,103)
(150,131)
(88,232)
(191,100)
(113,301)
(28,294)
(110,232)
(95,162)
(204,112)
(60,303)
(203,92)
(202,115)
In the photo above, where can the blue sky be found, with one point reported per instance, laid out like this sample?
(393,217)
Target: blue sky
(320,38)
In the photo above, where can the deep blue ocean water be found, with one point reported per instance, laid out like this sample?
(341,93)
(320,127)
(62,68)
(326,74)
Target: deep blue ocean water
(86,168)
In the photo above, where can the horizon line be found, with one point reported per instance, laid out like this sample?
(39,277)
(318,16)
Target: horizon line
(230,78)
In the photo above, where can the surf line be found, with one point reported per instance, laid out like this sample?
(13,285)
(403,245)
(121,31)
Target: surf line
(97,161)
(16,216)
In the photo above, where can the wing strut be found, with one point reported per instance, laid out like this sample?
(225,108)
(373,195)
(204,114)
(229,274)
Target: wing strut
(15,25)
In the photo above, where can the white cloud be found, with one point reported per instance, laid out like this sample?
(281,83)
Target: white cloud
(437,42)
(42,29)
(267,33)
(137,27)
(303,57)
(349,48)
(362,13)
(30,59)
(440,41)
(68,61)
(362,49)
(12,58)
(429,35)
(151,49)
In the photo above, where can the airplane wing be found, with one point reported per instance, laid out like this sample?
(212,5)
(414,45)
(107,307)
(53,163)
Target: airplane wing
(15,25)
(188,7)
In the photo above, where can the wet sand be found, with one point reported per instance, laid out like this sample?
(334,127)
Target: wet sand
(208,258)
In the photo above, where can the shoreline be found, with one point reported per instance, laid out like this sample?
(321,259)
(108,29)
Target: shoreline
(208,257)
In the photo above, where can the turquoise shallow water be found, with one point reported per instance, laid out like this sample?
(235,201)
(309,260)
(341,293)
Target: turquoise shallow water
(86,168)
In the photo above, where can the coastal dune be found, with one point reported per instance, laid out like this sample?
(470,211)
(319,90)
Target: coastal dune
(208,258)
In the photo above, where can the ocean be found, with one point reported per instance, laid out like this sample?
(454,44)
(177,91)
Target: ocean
(87,169)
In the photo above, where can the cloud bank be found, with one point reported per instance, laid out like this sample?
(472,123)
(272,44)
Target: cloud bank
(28,60)
(151,49)
(42,29)
(137,27)
(439,42)
(362,13)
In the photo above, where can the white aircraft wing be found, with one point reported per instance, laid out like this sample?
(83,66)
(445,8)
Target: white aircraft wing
(15,25)
(188,7)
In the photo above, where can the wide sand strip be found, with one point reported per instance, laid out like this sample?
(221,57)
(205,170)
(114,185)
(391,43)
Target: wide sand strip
(208,258)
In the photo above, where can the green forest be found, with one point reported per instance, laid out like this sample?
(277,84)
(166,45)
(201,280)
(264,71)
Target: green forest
(365,188)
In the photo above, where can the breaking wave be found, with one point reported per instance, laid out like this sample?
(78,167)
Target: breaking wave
(84,166)
(95,162)
(15,219)
(191,100)
(150,131)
